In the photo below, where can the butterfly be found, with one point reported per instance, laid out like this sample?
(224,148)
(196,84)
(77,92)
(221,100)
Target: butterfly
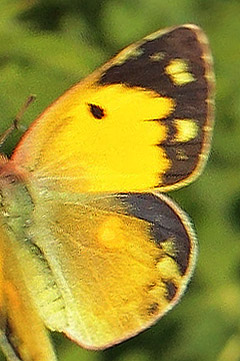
(90,246)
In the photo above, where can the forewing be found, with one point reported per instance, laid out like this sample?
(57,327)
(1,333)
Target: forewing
(142,121)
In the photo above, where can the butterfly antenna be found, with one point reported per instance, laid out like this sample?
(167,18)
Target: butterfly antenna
(15,123)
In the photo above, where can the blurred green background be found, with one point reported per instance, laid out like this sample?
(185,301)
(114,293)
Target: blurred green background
(45,47)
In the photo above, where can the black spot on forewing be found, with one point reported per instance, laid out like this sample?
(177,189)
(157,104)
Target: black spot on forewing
(96,111)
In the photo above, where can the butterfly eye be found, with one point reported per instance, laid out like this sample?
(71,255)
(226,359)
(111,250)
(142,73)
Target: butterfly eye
(96,111)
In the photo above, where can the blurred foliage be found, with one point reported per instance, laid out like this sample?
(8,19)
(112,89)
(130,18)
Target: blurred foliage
(45,47)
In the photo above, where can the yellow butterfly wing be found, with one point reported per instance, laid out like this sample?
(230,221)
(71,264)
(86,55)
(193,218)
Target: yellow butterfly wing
(118,261)
(142,121)
(106,265)
(23,335)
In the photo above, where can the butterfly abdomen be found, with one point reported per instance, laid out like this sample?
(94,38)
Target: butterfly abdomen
(16,204)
